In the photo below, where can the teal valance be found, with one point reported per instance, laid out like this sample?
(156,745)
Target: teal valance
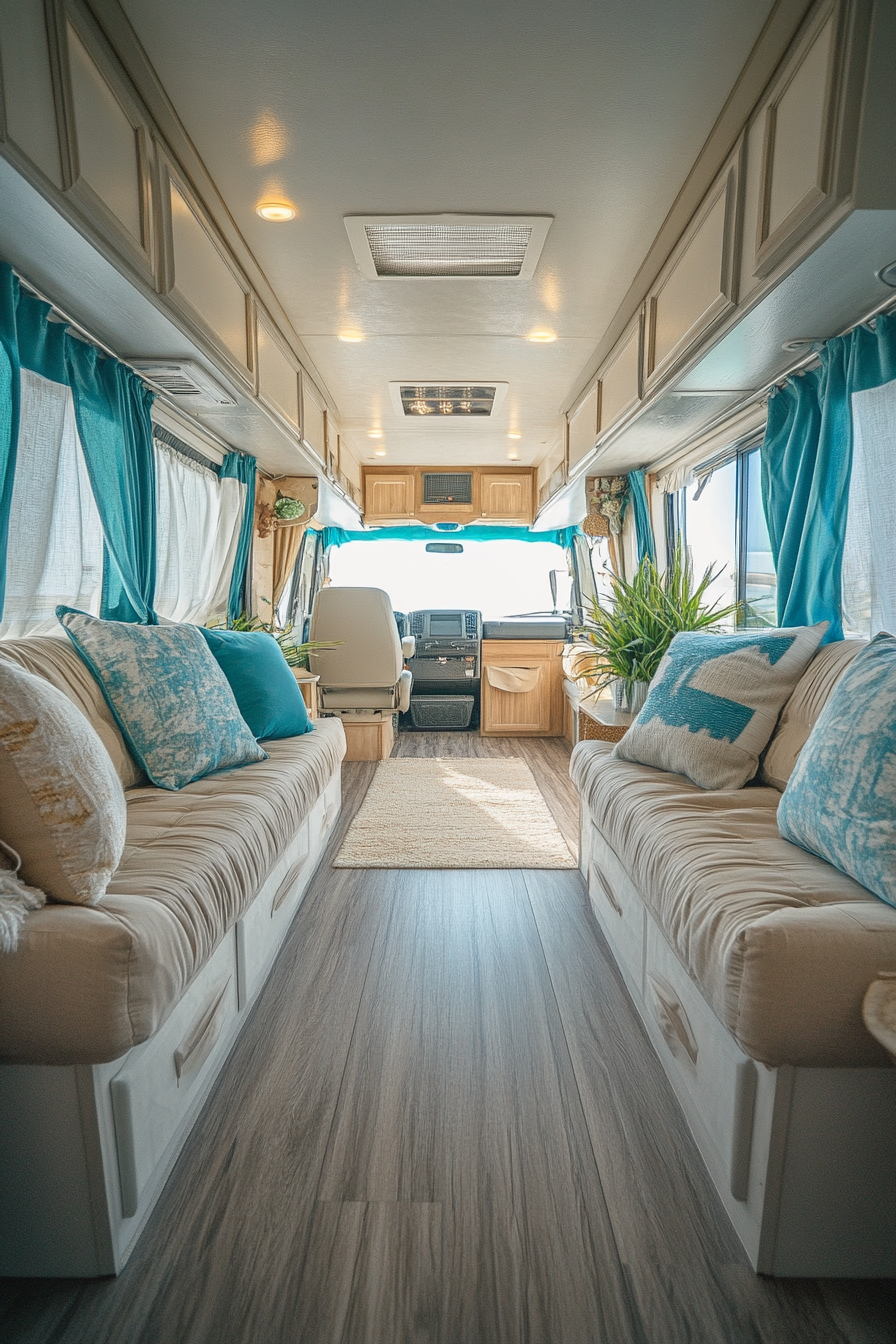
(338,536)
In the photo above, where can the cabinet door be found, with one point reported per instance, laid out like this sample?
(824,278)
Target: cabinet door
(390,495)
(536,711)
(505,496)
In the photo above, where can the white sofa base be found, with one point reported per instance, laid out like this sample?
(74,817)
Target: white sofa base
(85,1150)
(803,1159)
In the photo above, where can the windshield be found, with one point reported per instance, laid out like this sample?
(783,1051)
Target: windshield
(498,578)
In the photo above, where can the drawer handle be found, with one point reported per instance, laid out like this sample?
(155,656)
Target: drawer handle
(672,1020)
(605,891)
(288,883)
(199,1041)
(745,1083)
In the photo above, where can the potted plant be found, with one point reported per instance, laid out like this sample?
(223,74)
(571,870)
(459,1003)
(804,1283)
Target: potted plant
(630,633)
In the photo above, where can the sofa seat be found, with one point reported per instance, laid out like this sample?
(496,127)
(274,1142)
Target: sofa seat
(781,945)
(88,983)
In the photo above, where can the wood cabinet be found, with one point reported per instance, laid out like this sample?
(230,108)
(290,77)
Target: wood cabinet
(506,495)
(388,496)
(536,709)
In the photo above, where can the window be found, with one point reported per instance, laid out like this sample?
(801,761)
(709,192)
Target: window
(722,522)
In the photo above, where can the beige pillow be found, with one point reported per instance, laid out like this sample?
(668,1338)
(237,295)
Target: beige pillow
(61,802)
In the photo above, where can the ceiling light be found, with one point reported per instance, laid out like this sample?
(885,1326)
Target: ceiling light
(514,434)
(275,211)
(379,452)
(514,457)
(542,337)
(374,434)
(351,337)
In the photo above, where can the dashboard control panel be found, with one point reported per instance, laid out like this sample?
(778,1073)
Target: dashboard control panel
(443,633)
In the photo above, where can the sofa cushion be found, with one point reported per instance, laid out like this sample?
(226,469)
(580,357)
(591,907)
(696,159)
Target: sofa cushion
(168,695)
(782,945)
(803,708)
(62,806)
(87,983)
(56,660)
(265,689)
(840,801)
(715,700)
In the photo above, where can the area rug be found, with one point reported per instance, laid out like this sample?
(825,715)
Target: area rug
(454,813)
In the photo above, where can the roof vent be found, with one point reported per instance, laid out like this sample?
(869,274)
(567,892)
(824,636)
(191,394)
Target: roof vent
(184,380)
(447,245)
(438,400)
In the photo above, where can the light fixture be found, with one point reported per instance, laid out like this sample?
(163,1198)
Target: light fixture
(542,336)
(888,274)
(379,452)
(514,457)
(374,433)
(351,337)
(514,434)
(277,212)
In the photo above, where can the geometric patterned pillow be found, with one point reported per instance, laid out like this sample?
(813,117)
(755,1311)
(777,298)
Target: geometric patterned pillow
(840,801)
(715,700)
(169,697)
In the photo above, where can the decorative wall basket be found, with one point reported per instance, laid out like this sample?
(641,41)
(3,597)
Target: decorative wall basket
(595,525)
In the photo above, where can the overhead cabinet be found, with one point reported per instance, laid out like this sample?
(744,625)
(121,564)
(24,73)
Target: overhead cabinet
(505,497)
(278,373)
(388,496)
(449,494)
(619,381)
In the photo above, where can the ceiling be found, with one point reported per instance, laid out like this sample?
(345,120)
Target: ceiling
(591,111)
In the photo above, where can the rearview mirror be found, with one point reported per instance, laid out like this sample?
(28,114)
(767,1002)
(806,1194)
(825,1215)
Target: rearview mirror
(444,547)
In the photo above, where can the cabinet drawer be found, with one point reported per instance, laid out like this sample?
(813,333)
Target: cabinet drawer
(618,907)
(715,1080)
(155,1089)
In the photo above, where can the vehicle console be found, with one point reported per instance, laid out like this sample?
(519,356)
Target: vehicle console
(446,666)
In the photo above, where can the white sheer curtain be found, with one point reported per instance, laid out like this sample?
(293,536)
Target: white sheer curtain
(55,551)
(868,585)
(198,525)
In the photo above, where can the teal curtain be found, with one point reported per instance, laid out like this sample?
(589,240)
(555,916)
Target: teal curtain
(10,393)
(112,411)
(338,536)
(242,467)
(643,525)
(806,459)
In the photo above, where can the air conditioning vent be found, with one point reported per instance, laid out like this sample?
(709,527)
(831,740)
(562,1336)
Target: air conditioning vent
(436,401)
(184,380)
(445,246)
(447,487)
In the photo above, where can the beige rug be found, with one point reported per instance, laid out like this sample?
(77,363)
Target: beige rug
(454,813)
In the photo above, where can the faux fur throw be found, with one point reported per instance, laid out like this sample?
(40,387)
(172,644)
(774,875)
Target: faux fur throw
(15,899)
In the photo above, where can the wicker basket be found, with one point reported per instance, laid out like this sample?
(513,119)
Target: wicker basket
(592,731)
(596,525)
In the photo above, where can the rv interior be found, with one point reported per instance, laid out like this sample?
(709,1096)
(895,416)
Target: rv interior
(446,683)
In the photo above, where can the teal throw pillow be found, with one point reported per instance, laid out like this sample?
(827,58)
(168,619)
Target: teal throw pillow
(840,800)
(715,700)
(169,697)
(260,678)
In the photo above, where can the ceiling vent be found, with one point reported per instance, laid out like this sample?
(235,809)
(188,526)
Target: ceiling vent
(445,246)
(436,401)
(185,381)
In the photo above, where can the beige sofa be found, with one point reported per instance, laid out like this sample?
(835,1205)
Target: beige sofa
(748,960)
(115,1018)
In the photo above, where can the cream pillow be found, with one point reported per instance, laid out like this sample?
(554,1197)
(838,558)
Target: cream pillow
(61,802)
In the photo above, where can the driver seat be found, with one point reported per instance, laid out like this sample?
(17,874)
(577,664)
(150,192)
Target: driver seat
(363,681)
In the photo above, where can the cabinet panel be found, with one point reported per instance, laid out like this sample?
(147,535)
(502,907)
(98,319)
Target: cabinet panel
(314,428)
(504,496)
(107,146)
(202,278)
(696,287)
(27,94)
(278,376)
(583,427)
(620,379)
(389,495)
(537,710)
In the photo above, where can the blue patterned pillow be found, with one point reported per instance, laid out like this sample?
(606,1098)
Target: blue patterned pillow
(169,697)
(715,700)
(840,801)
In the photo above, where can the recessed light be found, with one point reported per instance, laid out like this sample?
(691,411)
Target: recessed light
(351,337)
(542,337)
(514,434)
(514,457)
(379,452)
(374,434)
(276,211)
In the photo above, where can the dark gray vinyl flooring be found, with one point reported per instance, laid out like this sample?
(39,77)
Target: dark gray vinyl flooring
(443,1122)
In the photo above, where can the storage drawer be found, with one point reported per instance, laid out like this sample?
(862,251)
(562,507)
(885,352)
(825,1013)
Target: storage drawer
(156,1088)
(714,1079)
(618,907)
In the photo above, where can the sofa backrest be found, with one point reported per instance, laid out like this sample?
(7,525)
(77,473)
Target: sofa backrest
(802,709)
(55,659)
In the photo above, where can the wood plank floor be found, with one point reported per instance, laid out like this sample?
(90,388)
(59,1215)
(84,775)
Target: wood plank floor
(443,1122)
